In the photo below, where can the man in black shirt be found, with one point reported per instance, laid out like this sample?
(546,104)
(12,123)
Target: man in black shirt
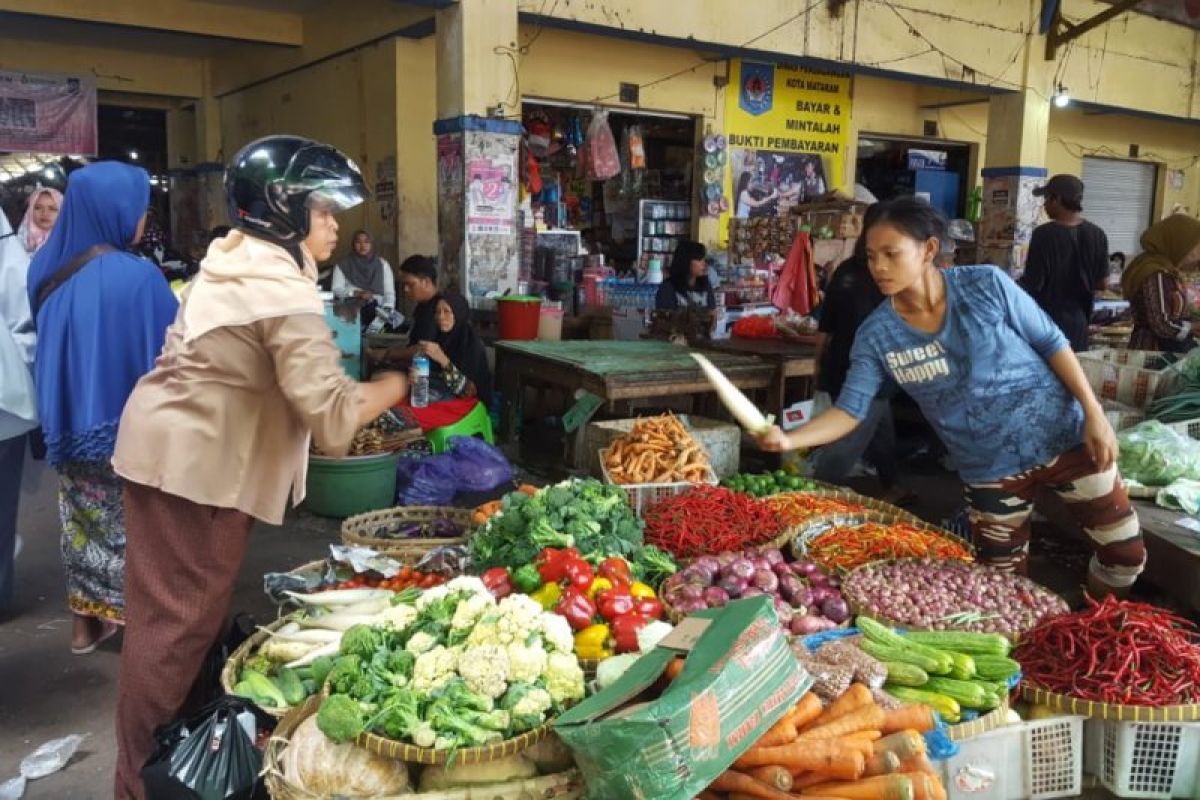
(1067,260)
(418,276)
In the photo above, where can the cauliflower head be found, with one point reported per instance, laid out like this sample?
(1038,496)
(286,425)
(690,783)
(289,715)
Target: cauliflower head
(432,595)
(469,585)
(556,632)
(485,669)
(434,669)
(470,610)
(564,678)
(421,642)
(520,618)
(526,663)
(397,617)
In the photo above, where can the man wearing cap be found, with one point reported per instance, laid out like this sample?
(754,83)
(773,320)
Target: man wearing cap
(1067,261)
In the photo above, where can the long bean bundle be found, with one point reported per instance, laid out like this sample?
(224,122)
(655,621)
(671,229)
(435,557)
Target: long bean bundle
(1185,403)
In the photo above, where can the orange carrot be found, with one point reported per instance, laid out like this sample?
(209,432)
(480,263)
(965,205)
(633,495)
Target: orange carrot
(917,717)
(923,786)
(870,736)
(827,757)
(856,696)
(781,732)
(883,787)
(528,489)
(773,775)
(918,762)
(864,718)
(734,781)
(674,668)
(803,780)
(808,709)
(882,763)
(905,744)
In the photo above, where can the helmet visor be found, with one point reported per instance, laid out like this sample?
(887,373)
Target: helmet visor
(336,198)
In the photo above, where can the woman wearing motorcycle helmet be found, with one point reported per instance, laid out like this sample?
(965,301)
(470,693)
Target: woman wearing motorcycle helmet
(217,435)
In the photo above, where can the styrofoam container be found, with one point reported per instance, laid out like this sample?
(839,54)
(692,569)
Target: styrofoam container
(1144,759)
(1026,761)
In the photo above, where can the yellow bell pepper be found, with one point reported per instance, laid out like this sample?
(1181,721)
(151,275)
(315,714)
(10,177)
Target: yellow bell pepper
(593,643)
(599,584)
(548,596)
(642,590)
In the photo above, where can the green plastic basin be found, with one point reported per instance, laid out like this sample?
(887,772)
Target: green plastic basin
(343,487)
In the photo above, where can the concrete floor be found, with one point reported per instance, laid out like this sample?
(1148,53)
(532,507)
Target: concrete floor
(47,692)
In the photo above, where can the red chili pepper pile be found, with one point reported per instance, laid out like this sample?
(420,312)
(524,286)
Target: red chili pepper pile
(1116,652)
(710,519)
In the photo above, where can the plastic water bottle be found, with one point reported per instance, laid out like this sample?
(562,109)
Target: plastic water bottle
(420,386)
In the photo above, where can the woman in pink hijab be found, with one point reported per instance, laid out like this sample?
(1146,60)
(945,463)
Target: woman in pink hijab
(40,215)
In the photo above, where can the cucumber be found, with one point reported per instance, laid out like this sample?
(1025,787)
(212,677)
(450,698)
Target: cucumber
(983,644)
(967,693)
(947,707)
(881,634)
(886,653)
(995,668)
(904,674)
(963,666)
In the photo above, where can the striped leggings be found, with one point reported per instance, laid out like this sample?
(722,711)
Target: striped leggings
(1000,512)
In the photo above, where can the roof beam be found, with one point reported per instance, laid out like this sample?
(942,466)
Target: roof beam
(180,16)
(1060,31)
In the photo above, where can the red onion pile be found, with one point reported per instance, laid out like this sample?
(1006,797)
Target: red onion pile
(950,595)
(807,600)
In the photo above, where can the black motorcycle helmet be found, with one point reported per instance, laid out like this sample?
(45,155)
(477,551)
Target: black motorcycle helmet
(272,182)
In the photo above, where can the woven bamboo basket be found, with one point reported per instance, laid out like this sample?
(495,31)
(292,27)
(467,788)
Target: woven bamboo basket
(798,536)
(233,665)
(1094,710)
(402,751)
(365,529)
(560,786)
(996,718)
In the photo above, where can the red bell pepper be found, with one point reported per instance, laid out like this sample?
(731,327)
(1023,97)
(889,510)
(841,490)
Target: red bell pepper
(648,607)
(624,630)
(614,602)
(576,608)
(498,582)
(552,563)
(579,574)
(616,569)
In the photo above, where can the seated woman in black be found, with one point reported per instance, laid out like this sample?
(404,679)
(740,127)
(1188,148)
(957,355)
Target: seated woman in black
(687,285)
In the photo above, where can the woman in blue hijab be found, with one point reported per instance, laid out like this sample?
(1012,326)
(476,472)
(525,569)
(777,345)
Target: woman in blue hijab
(99,328)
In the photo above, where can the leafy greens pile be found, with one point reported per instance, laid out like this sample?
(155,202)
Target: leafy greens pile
(1155,455)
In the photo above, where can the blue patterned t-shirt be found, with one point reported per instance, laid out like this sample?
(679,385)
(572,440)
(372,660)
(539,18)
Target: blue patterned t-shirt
(982,380)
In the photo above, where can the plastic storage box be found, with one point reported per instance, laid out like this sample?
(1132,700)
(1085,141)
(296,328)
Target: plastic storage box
(1026,761)
(644,495)
(1145,759)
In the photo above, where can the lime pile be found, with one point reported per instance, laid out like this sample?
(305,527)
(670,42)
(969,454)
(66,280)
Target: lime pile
(769,483)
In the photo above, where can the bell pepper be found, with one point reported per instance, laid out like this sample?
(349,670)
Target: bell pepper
(498,582)
(599,584)
(639,589)
(650,607)
(616,569)
(625,630)
(527,579)
(547,596)
(592,643)
(579,574)
(576,607)
(552,563)
(614,602)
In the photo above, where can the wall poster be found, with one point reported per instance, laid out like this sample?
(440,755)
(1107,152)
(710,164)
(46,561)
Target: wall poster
(491,195)
(45,113)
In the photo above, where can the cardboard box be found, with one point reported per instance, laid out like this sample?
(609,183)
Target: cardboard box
(739,679)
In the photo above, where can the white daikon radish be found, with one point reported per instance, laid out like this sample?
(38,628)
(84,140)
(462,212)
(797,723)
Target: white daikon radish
(745,412)
(339,597)
(330,649)
(310,635)
(339,622)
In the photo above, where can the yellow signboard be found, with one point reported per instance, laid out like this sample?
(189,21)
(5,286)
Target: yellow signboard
(788,130)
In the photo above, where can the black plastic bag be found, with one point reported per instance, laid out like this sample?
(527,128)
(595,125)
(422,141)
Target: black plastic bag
(208,756)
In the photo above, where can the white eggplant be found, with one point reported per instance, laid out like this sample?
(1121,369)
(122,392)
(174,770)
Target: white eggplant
(339,597)
(744,411)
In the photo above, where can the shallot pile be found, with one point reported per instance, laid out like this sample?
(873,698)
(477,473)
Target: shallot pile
(950,595)
(806,599)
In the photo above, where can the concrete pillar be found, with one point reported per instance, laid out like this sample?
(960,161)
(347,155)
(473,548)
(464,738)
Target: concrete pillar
(1018,125)
(208,124)
(477,149)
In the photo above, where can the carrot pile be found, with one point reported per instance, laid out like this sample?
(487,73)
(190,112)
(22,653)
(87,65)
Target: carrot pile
(797,507)
(849,547)
(851,750)
(657,450)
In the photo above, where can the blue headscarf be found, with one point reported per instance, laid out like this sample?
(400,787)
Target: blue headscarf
(100,331)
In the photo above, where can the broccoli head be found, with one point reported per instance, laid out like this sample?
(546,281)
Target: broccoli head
(348,677)
(341,718)
(399,714)
(319,669)
(458,694)
(542,534)
(467,727)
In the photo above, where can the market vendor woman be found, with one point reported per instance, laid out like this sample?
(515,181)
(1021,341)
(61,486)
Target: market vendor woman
(998,381)
(217,434)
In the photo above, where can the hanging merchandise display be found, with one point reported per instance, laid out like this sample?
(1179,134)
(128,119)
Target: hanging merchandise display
(636,148)
(712,197)
(603,161)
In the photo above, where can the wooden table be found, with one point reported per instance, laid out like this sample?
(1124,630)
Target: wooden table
(1172,554)
(615,370)
(788,359)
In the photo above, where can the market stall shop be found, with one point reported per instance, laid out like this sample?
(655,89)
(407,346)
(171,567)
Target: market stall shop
(614,371)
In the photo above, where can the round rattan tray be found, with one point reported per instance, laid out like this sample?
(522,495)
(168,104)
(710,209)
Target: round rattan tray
(559,786)
(866,505)
(390,748)
(798,537)
(365,529)
(1096,710)
(996,718)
